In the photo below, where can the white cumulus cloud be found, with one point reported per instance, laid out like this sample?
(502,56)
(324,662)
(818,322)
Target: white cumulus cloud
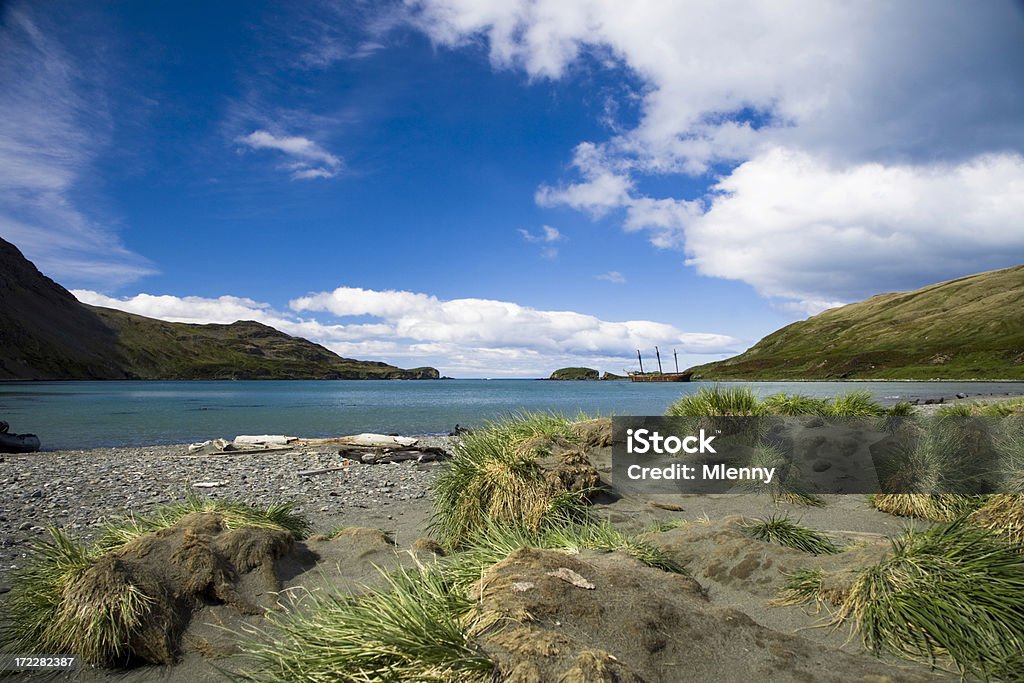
(464,337)
(927,96)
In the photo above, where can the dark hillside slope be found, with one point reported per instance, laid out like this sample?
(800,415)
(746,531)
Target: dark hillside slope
(46,333)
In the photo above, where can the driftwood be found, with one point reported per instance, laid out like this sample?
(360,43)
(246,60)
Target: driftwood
(366,441)
(263,439)
(325,470)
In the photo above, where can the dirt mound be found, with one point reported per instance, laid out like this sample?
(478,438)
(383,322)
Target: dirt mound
(639,624)
(153,584)
(720,553)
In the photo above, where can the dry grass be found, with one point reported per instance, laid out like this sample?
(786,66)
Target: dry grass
(1002,514)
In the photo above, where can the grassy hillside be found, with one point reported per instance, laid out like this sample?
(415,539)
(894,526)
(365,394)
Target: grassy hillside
(154,349)
(575,374)
(970,328)
(46,333)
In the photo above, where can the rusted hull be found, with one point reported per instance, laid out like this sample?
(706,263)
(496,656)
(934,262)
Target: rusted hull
(661,377)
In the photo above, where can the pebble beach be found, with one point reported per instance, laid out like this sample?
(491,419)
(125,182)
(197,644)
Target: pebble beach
(78,490)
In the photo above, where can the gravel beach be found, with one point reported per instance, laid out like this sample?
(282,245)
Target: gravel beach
(78,490)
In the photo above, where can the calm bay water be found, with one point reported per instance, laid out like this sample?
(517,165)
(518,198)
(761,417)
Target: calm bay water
(91,414)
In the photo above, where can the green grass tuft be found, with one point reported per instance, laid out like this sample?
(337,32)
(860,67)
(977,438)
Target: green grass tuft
(495,542)
(781,530)
(236,515)
(951,590)
(717,401)
(493,476)
(1002,514)
(901,409)
(414,628)
(803,586)
(52,567)
(794,405)
(854,404)
(58,605)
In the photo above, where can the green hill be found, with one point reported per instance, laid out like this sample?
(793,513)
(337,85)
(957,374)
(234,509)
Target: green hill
(46,333)
(969,328)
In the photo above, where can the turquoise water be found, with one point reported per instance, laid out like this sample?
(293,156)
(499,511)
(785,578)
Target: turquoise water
(92,414)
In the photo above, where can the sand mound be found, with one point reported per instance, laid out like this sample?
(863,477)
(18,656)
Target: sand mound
(639,624)
(720,553)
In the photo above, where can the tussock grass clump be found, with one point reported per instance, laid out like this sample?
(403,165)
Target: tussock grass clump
(901,409)
(794,405)
(951,590)
(413,628)
(37,599)
(809,586)
(956,410)
(667,525)
(493,543)
(235,514)
(780,529)
(1008,444)
(854,404)
(935,470)
(717,401)
(126,598)
(493,475)
(977,409)
(935,507)
(1003,514)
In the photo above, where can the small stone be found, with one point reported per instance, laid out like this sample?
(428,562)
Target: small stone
(821,465)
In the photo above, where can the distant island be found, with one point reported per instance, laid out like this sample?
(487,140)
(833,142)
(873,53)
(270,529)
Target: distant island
(46,333)
(575,374)
(968,328)
(582,374)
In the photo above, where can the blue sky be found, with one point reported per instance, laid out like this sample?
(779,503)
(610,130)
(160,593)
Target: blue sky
(503,188)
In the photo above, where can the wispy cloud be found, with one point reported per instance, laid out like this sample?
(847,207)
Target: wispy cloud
(613,276)
(460,336)
(52,127)
(547,238)
(308,160)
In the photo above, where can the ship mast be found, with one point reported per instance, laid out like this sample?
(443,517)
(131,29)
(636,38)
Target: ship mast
(641,361)
(658,354)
